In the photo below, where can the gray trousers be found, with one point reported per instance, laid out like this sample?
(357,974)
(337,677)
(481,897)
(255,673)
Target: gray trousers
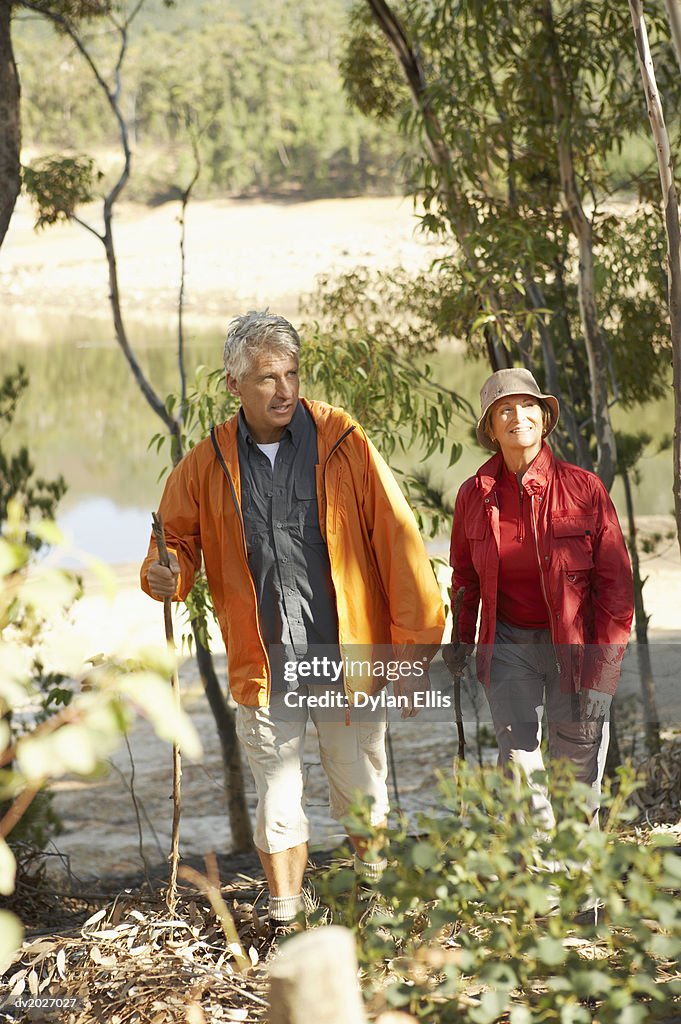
(524,682)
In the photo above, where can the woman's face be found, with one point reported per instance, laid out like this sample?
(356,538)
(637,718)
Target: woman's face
(517,423)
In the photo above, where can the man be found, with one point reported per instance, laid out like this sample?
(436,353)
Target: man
(310,548)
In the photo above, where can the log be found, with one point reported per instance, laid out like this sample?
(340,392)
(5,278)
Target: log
(314,978)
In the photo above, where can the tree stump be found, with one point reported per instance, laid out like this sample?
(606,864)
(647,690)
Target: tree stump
(314,978)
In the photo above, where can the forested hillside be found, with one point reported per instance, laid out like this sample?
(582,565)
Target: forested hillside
(258,82)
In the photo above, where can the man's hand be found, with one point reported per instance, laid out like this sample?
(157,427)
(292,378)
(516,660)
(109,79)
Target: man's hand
(593,705)
(409,685)
(163,579)
(455,657)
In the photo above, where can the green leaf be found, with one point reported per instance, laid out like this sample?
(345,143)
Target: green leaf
(424,855)
(633,1014)
(520,1015)
(672,866)
(155,697)
(48,532)
(492,1004)
(550,951)
(573,1014)
(11,937)
(399,995)
(8,869)
(665,946)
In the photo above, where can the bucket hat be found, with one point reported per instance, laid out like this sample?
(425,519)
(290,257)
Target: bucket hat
(515,381)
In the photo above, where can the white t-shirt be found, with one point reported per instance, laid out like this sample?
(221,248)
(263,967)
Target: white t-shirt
(270,450)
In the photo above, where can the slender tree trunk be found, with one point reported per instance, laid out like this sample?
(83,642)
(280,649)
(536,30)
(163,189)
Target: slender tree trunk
(239,820)
(613,758)
(645,668)
(10,121)
(460,213)
(580,224)
(670,209)
(674,18)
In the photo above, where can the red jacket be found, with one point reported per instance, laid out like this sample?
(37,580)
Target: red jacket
(583,566)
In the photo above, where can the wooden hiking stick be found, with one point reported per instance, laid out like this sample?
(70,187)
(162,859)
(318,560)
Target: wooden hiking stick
(174,855)
(456,612)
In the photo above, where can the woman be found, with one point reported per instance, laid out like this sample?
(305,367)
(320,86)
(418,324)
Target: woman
(537,541)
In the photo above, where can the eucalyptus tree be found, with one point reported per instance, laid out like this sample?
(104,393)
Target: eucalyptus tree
(10,89)
(519,108)
(670,209)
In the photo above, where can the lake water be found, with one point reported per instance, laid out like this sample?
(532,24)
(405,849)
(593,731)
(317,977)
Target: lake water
(83,417)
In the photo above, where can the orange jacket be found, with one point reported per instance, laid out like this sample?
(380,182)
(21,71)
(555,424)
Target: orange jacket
(386,592)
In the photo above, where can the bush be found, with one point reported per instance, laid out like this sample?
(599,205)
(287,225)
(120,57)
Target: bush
(481,919)
(86,727)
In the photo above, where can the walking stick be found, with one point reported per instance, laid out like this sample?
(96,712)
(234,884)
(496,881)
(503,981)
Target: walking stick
(174,855)
(456,612)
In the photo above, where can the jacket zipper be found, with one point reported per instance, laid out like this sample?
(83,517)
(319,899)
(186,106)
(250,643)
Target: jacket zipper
(541,578)
(326,533)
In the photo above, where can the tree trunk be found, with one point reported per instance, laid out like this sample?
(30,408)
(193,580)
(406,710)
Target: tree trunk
(613,758)
(645,668)
(239,820)
(581,228)
(314,978)
(674,18)
(10,121)
(460,213)
(670,208)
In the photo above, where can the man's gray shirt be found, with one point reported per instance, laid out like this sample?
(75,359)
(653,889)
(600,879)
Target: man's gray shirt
(287,554)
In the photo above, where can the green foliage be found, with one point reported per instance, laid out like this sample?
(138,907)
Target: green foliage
(510,278)
(86,728)
(370,76)
(481,919)
(17,474)
(58,185)
(260,80)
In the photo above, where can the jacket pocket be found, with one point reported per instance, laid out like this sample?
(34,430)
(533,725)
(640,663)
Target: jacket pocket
(572,535)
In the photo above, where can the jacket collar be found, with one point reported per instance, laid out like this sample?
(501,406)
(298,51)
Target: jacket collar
(330,421)
(535,479)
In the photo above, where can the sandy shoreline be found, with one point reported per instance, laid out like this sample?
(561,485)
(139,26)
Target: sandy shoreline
(240,254)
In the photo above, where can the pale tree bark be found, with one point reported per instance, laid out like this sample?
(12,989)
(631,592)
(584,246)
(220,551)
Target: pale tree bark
(645,666)
(460,213)
(674,17)
(670,208)
(594,338)
(10,121)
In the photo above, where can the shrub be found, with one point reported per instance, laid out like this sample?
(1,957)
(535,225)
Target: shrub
(479,918)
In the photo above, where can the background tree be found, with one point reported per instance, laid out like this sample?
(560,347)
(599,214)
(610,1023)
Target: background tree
(10,92)
(518,108)
(10,124)
(670,209)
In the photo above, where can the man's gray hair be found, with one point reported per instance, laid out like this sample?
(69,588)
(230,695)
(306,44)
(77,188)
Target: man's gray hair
(254,332)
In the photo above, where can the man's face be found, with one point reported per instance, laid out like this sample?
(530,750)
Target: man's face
(268,394)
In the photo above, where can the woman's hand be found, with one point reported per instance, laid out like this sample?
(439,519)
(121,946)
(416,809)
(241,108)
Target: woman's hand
(593,705)
(455,657)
